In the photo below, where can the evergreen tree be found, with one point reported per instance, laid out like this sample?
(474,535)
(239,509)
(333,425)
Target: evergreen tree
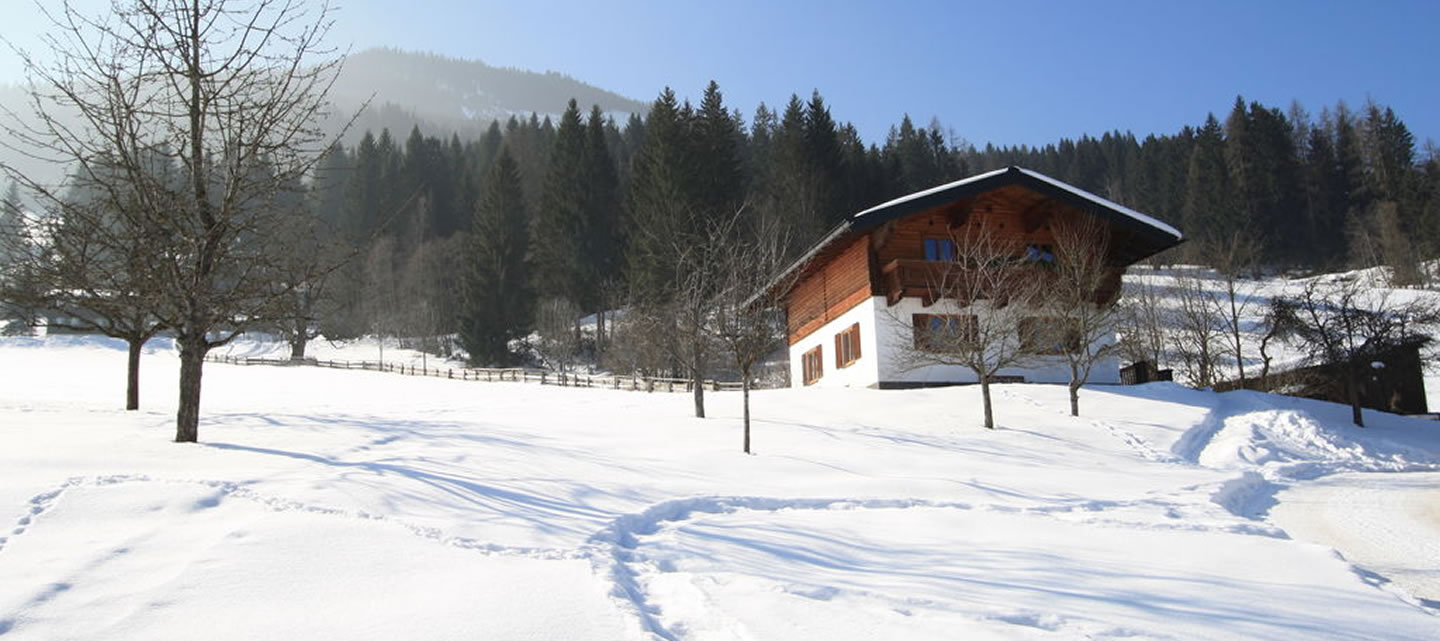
(659,201)
(497,303)
(603,239)
(1208,207)
(715,148)
(560,229)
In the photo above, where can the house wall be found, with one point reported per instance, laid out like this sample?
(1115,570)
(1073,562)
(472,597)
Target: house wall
(895,334)
(864,372)
(829,292)
(1009,215)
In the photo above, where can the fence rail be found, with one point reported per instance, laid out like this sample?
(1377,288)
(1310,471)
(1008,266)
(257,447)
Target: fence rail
(510,374)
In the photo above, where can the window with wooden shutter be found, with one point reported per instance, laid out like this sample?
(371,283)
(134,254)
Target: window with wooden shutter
(945,332)
(847,346)
(1042,335)
(812,364)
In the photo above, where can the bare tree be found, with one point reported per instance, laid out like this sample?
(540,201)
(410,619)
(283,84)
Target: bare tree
(308,272)
(381,298)
(747,319)
(558,344)
(699,278)
(1142,320)
(1347,327)
(679,321)
(87,270)
(229,93)
(1198,329)
(1401,253)
(1235,258)
(991,298)
(1080,297)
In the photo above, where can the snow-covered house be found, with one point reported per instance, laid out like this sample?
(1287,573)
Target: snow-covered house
(854,298)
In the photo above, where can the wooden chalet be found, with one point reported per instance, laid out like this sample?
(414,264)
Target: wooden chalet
(855,296)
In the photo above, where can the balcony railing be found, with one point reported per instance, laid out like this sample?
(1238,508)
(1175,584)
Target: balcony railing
(932,280)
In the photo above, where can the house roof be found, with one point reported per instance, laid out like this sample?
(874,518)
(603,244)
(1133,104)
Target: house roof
(1154,235)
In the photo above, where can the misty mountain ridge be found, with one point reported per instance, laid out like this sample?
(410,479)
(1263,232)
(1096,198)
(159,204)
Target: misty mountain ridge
(444,95)
(439,94)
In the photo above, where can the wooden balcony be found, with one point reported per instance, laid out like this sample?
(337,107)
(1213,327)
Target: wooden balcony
(921,279)
(931,280)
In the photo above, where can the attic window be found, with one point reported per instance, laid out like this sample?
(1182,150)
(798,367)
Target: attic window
(939,249)
(1037,253)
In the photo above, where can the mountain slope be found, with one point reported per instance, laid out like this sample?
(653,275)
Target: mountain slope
(447,94)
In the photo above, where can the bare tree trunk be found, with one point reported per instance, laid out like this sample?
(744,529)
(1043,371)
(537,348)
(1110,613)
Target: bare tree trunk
(985,395)
(297,345)
(1235,335)
(699,386)
(1353,384)
(745,393)
(132,374)
(1074,397)
(192,360)
(599,332)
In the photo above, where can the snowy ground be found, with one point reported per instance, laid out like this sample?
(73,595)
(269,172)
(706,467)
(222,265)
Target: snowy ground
(326,504)
(1254,298)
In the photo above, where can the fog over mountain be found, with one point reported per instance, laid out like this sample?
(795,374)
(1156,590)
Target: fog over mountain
(439,94)
(444,95)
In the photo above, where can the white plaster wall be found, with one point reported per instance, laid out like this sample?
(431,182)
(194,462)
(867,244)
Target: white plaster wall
(895,335)
(864,372)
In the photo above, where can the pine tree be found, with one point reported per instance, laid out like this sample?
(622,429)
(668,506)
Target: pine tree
(719,179)
(560,229)
(1208,207)
(660,201)
(12,227)
(603,239)
(497,303)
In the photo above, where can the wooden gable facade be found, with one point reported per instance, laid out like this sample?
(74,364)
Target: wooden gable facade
(878,257)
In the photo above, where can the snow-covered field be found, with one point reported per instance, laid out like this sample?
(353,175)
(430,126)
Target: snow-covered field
(326,504)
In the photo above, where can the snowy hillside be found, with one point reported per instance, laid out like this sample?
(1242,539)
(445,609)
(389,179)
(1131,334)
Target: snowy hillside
(327,504)
(1254,297)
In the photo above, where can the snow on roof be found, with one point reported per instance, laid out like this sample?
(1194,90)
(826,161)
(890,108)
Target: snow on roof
(911,203)
(1103,202)
(933,190)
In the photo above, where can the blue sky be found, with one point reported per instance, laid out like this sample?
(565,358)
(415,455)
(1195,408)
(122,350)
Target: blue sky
(1004,72)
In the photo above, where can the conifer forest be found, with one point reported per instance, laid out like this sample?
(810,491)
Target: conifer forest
(477,238)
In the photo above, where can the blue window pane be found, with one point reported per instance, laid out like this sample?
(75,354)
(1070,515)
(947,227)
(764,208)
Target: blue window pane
(939,249)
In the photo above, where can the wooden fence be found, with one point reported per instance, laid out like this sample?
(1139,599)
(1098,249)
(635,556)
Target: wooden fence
(510,374)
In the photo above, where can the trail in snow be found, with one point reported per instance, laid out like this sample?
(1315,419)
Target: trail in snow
(868,515)
(42,502)
(1129,438)
(34,507)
